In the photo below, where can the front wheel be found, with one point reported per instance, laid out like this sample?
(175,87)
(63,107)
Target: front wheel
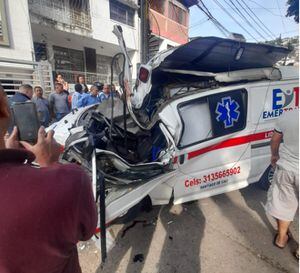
(266,179)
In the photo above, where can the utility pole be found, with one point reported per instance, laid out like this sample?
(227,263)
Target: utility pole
(144,11)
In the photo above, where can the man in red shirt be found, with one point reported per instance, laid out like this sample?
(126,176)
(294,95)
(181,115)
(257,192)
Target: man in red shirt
(44,211)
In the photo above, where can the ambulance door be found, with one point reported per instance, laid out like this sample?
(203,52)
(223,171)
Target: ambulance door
(214,146)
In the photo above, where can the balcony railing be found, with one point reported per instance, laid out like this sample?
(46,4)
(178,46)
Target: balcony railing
(60,11)
(167,28)
(71,76)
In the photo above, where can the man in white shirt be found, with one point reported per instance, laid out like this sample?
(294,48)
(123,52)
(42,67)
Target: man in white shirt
(283,198)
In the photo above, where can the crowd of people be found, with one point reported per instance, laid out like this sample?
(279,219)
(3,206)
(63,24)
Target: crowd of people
(60,102)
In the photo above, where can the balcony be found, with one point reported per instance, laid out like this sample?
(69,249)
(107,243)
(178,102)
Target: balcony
(63,12)
(163,26)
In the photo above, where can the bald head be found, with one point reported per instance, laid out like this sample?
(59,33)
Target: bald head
(26,89)
(106,89)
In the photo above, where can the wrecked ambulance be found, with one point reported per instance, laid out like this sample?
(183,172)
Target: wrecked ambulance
(196,123)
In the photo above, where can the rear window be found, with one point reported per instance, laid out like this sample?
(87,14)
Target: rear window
(212,116)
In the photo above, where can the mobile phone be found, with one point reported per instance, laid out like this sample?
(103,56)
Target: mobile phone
(26,119)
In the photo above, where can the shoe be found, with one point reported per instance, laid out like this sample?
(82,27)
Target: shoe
(275,238)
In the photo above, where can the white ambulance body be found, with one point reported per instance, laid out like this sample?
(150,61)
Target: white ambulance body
(189,133)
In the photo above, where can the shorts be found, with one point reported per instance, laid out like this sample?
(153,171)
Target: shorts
(282,202)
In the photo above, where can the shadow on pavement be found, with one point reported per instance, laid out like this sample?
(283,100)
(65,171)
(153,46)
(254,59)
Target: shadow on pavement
(183,240)
(179,240)
(135,240)
(250,196)
(252,234)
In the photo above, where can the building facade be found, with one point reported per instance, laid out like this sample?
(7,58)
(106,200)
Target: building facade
(76,37)
(169,24)
(17,64)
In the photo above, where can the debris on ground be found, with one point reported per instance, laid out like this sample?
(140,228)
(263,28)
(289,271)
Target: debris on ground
(138,258)
(170,237)
(170,222)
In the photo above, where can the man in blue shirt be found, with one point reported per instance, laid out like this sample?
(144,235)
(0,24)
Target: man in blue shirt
(25,94)
(89,99)
(76,95)
(105,94)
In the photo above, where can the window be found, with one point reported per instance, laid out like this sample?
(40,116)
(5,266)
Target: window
(40,51)
(158,6)
(82,5)
(212,116)
(121,13)
(177,14)
(4,39)
(68,59)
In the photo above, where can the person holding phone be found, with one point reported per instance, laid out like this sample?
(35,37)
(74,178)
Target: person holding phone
(45,211)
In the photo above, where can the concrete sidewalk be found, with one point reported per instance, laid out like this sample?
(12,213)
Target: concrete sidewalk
(228,233)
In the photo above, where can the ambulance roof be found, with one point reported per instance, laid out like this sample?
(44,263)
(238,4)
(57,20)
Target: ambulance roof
(215,55)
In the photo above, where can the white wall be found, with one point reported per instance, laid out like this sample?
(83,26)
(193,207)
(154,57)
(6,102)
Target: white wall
(19,30)
(102,25)
(165,43)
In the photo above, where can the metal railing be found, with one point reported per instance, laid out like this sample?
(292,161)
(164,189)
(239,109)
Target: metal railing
(71,76)
(60,11)
(14,73)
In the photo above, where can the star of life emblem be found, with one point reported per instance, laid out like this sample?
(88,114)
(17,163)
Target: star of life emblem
(228,112)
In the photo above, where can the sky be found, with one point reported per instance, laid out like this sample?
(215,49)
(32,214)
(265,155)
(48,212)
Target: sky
(270,12)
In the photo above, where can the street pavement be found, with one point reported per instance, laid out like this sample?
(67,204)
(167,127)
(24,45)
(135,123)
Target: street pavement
(228,233)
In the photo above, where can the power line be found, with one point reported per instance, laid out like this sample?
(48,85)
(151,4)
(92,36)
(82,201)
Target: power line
(217,24)
(266,28)
(244,18)
(255,21)
(266,9)
(281,15)
(199,23)
(236,21)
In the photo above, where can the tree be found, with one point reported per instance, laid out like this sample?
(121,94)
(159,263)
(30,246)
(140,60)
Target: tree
(293,9)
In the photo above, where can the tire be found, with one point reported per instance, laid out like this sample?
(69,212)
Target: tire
(266,179)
